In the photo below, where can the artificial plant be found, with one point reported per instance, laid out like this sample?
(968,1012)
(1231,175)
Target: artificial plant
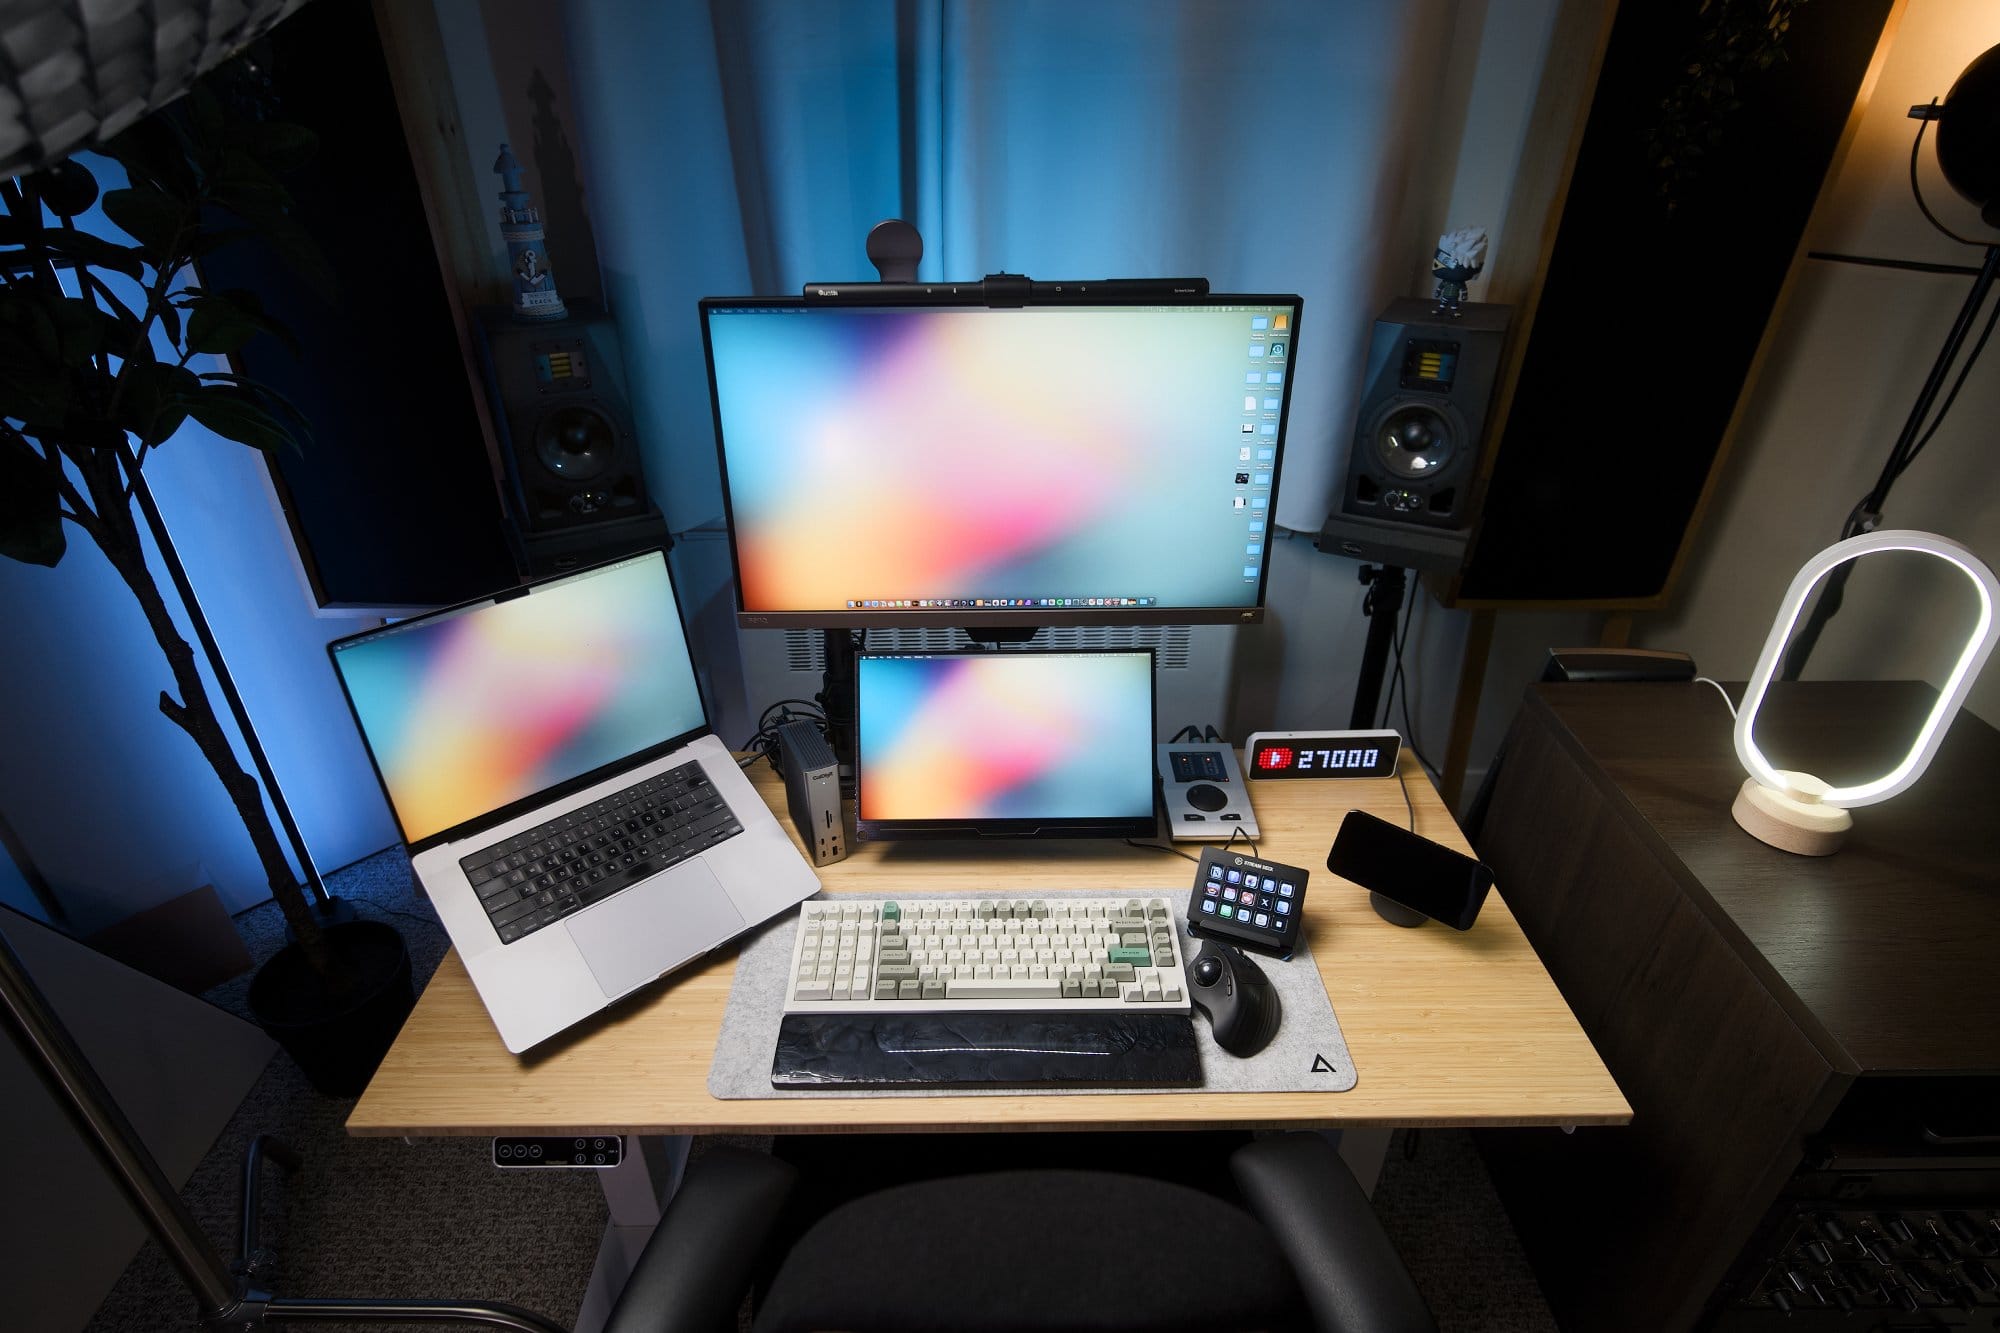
(98,345)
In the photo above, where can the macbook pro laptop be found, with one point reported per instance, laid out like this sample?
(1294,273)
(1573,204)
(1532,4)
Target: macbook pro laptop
(578,827)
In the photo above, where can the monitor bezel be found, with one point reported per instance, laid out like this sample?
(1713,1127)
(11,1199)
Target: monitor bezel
(1106,826)
(986,617)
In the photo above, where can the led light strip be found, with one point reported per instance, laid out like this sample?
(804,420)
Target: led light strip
(1974,655)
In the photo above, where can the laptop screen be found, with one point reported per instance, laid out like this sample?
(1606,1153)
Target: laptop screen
(1005,743)
(472,709)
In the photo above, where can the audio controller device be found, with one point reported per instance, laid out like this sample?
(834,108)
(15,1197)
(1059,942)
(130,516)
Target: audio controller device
(1204,792)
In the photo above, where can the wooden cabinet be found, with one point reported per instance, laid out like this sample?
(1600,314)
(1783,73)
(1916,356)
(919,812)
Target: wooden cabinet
(1749,1002)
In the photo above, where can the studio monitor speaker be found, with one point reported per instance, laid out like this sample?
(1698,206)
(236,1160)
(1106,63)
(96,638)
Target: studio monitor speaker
(1409,494)
(576,486)
(393,504)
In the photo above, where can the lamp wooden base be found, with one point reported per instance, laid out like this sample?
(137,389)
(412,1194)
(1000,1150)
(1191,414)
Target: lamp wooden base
(1805,828)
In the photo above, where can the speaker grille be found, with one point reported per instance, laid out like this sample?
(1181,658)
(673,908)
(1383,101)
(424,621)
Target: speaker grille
(804,648)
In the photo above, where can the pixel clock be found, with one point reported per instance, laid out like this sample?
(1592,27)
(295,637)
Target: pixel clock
(1322,754)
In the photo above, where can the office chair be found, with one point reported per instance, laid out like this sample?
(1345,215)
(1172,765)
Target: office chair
(1031,1249)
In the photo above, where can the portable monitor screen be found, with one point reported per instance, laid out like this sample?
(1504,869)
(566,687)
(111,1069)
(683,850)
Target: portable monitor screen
(469,711)
(1005,744)
(966,465)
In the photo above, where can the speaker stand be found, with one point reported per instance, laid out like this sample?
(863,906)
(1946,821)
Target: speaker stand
(1383,606)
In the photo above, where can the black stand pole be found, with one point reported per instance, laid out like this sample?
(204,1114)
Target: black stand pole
(224,1300)
(1867,515)
(836,700)
(1383,606)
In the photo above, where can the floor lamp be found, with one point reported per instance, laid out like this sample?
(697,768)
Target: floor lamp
(227,1297)
(1968,153)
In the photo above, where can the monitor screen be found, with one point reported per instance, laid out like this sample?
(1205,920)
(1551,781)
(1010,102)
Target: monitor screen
(472,711)
(965,465)
(1004,744)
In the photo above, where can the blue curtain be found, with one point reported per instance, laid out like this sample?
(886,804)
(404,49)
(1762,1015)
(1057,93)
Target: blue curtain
(747,148)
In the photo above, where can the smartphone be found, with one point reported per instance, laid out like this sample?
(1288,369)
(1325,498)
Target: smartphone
(1410,869)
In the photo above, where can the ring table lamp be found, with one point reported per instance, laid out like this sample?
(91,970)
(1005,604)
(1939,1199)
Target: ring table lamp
(1798,812)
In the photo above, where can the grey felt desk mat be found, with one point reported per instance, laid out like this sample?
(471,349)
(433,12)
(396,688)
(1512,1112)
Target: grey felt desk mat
(1308,1054)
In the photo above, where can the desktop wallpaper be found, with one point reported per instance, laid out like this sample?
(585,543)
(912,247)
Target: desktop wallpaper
(1008,735)
(482,707)
(968,453)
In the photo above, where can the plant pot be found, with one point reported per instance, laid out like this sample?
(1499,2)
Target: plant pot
(337,1032)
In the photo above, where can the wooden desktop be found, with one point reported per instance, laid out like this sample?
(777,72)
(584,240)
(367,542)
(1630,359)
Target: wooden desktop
(1444,1028)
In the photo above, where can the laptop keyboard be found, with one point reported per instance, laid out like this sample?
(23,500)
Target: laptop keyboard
(541,876)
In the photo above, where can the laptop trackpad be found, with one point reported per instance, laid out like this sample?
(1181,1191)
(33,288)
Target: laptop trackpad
(655,927)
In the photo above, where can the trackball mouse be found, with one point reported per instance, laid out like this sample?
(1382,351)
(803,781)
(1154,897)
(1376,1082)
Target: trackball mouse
(1235,995)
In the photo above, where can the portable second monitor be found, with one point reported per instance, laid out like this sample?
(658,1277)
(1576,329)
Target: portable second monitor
(1005,744)
(965,465)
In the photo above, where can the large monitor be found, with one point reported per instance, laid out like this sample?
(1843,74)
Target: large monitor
(954,464)
(1005,744)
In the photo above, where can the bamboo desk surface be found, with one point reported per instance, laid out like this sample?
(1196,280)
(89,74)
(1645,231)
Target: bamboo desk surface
(1444,1028)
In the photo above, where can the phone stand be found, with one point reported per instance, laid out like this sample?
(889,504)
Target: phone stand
(1394,912)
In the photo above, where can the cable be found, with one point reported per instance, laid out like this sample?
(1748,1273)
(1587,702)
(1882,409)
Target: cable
(1236,833)
(1407,803)
(764,718)
(1957,384)
(1923,123)
(1161,847)
(430,921)
(1726,702)
(1397,682)
(764,742)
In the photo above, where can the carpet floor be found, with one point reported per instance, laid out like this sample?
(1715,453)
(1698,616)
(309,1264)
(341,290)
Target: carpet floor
(433,1218)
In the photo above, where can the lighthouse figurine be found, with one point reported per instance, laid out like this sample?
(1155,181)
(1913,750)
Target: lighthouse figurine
(535,295)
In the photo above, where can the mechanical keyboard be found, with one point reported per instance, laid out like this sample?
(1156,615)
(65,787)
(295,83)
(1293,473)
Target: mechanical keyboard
(538,877)
(972,955)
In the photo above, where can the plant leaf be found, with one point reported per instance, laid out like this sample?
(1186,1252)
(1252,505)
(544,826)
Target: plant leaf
(213,238)
(35,397)
(216,326)
(293,244)
(79,329)
(273,402)
(83,248)
(30,505)
(151,217)
(279,145)
(235,414)
(156,399)
(220,322)
(153,154)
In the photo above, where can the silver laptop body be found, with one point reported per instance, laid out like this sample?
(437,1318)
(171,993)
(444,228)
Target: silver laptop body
(490,720)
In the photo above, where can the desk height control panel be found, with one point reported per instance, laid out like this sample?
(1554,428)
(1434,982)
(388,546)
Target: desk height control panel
(591,1151)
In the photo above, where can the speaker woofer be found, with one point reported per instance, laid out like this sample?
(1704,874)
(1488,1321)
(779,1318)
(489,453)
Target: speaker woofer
(576,442)
(1416,440)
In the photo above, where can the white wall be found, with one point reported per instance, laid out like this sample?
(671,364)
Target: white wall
(1853,349)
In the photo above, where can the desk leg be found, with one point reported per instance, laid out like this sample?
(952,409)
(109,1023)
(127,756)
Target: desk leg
(1364,1151)
(637,1192)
